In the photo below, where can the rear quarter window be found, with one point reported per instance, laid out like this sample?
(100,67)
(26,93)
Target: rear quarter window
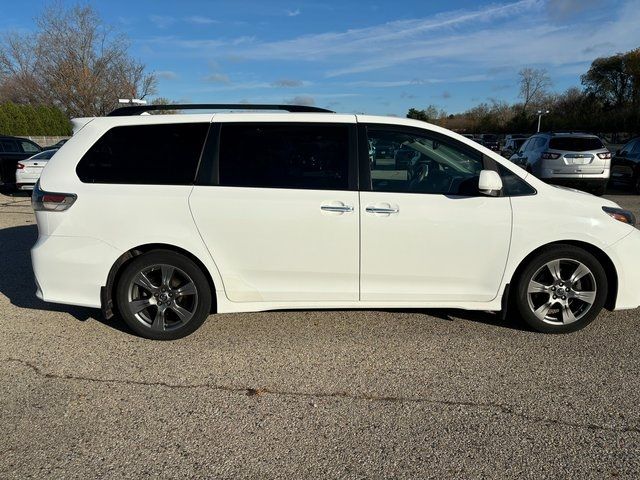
(28,147)
(576,144)
(9,146)
(165,154)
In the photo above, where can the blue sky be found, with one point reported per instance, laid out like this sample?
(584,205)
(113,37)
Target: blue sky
(374,57)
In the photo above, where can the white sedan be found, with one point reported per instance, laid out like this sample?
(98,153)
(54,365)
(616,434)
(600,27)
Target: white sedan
(28,171)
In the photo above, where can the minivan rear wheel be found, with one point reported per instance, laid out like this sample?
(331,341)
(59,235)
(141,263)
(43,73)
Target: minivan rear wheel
(163,295)
(561,290)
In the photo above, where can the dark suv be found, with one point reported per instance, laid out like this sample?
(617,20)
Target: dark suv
(625,166)
(13,149)
(490,141)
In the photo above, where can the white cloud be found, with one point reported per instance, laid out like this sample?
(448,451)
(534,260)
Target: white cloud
(161,21)
(418,81)
(563,9)
(477,45)
(301,100)
(293,13)
(166,74)
(287,83)
(200,20)
(218,78)
(372,39)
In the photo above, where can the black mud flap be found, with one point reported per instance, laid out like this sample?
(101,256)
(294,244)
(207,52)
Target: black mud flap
(106,303)
(505,303)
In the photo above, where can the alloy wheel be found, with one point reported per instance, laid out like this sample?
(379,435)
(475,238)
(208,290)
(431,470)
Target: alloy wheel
(562,291)
(162,297)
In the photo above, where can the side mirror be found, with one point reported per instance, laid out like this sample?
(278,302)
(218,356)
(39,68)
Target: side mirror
(489,183)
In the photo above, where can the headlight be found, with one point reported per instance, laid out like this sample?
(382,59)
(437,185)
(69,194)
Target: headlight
(624,216)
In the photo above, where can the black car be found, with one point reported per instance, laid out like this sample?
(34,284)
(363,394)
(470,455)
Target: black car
(13,149)
(512,145)
(57,145)
(625,165)
(490,141)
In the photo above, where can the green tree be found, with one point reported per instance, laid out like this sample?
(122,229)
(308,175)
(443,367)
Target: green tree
(26,120)
(430,114)
(609,80)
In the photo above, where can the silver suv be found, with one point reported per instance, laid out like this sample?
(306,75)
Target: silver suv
(574,159)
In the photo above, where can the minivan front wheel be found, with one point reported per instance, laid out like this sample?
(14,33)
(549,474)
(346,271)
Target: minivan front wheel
(561,290)
(163,295)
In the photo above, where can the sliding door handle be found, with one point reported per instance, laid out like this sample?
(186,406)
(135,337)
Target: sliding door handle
(337,208)
(383,210)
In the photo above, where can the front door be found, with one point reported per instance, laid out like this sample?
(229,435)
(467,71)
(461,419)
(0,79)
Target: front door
(427,234)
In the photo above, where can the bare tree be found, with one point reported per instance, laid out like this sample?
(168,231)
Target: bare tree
(534,86)
(73,61)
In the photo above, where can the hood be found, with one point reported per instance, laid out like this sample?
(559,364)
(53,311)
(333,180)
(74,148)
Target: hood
(585,198)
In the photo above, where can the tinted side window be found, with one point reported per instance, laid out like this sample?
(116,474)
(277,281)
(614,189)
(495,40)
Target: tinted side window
(145,154)
(272,155)
(535,143)
(29,147)
(513,185)
(9,146)
(628,148)
(422,163)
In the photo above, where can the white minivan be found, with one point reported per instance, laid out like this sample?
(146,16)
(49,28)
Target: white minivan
(165,219)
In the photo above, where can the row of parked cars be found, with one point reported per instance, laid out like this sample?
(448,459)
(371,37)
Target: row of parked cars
(575,159)
(22,161)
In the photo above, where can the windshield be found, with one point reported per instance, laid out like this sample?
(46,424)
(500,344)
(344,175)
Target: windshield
(576,144)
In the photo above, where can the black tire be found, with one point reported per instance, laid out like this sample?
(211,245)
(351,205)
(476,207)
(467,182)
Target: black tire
(185,299)
(569,256)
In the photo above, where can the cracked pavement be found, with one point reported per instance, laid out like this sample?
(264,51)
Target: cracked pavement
(332,394)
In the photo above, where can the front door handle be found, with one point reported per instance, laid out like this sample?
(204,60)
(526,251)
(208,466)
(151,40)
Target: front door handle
(337,208)
(384,210)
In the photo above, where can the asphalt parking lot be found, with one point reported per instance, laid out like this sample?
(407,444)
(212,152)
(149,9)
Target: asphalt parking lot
(317,394)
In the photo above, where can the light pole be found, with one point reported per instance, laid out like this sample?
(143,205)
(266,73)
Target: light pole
(540,114)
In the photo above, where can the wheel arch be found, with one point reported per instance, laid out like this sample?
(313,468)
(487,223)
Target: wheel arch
(601,256)
(106,292)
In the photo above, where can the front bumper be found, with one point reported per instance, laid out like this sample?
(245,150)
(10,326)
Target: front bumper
(625,254)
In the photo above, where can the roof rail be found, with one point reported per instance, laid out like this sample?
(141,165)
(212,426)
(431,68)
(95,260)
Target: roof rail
(139,109)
